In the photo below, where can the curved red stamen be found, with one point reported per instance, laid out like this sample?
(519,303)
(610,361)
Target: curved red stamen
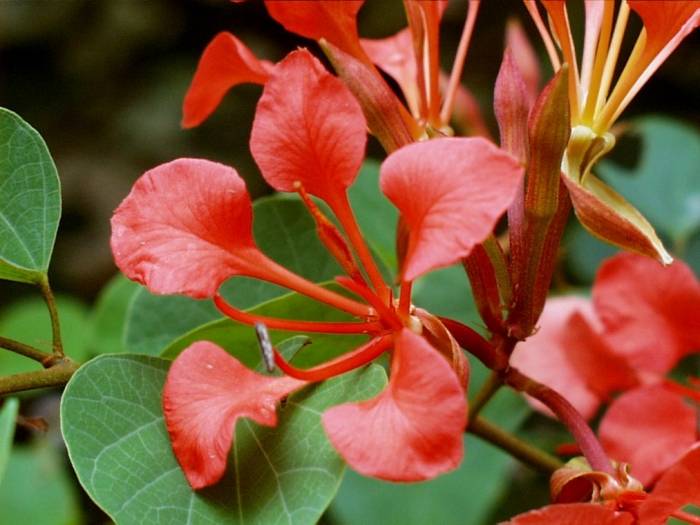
(385,312)
(345,363)
(683,390)
(231,312)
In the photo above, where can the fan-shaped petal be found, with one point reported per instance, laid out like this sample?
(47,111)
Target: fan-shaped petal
(677,487)
(308,128)
(225,63)
(184,228)
(205,393)
(543,355)
(650,312)
(334,20)
(451,192)
(650,428)
(414,429)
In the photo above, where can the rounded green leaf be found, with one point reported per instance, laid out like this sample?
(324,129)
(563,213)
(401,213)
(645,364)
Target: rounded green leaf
(112,423)
(30,201)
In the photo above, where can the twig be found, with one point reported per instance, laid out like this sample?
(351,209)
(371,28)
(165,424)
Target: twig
(53,313)
(56,375)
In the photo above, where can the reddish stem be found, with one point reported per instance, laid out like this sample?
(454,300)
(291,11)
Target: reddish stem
(491,355)
(294,325)
(567,414)
(345,363)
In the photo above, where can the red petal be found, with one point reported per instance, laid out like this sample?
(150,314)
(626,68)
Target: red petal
(225,63)
(309,128)
(543,356)
(573,514)
(650,312)
(649,428)
(413,430)
(451,192)
(666,21)
(205,393)
(679,486)
(184,228)
(395,56)
(334,20)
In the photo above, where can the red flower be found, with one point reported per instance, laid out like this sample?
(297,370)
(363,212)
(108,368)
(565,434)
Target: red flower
(641,323)
(226,62)
(679,486)
(186,227)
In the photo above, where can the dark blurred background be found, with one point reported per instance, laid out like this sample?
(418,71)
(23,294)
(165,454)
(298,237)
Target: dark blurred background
(103,82)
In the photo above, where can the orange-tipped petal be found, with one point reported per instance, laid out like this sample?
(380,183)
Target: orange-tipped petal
(412,431)
(185,228)
(650,428)
(650,312)
(308,128)
(205,393)
(677,487)
(333,20)
(225,63)
(451,192)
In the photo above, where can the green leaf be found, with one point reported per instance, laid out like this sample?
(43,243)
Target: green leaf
(113,427)
(30,201)
(664,185)
(8,417)
(376,215)
(28,321)
(463,497)
(447,293)
(37,489)
(108,317)
(283,230)
(240,340)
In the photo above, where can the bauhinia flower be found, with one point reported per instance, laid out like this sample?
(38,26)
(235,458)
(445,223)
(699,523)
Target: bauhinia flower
(642,321)
(411,57)
(186,227)
(597,99)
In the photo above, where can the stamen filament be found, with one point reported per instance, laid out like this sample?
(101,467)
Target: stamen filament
(370,327)
(385,313)
(687,517)
(531,6)
(341,208)
(613,53)
(330,236)
(266,269)
(432,55)
(405,298)
(345,363)
(601,54)
(682,389)
(560,20)
(620,96)
(458,64)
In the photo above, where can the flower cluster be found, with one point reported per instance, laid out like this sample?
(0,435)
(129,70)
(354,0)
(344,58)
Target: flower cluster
(186,227)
